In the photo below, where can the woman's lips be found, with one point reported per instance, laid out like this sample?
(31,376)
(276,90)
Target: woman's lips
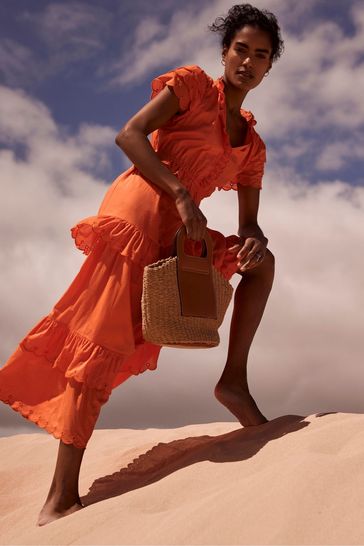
(244,76)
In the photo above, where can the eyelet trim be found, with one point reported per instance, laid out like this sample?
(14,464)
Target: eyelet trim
(122,236)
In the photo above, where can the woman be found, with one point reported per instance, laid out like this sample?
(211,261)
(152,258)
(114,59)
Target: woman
(66,367)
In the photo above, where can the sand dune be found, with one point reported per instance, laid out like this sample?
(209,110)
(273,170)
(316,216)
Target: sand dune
(294,480)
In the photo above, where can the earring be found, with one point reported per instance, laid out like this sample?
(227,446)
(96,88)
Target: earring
(266,74)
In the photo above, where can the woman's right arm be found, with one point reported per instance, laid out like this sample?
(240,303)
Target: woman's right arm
(133,140)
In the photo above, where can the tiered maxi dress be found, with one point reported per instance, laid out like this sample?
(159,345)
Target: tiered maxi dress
(67,365)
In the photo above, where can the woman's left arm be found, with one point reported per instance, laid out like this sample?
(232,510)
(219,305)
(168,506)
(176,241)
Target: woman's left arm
(248,213)
(253,239)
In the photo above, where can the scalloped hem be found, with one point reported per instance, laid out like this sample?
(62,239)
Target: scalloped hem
(26,411)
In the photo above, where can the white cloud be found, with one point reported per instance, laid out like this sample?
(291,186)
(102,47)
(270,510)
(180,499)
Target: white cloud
(22,117)
(18,64)
(148,28)
(71,31)
(336,154)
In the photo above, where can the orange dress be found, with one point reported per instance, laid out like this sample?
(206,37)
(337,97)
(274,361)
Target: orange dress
(67,365)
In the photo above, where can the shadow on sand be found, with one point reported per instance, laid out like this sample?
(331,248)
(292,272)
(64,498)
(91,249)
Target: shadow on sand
(165,458)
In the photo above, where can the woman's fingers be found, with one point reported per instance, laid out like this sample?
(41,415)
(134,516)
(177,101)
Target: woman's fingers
(234,248)
(249,260)
(242,254)
(247,254)
(245,249)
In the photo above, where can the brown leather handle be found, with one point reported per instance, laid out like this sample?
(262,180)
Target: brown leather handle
(200,264)
(195,279)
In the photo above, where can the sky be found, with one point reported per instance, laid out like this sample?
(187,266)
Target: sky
(72,74)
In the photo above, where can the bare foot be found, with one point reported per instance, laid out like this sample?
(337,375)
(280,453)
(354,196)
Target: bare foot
(53,510)
(238,400)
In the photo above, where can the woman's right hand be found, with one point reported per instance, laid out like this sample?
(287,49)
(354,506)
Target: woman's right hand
(191,216)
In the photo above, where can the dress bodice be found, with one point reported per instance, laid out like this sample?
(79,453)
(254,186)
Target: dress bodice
(194,144)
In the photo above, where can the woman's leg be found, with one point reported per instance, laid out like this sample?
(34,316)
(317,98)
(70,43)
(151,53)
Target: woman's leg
(78,414)
(250,299)
(63,497)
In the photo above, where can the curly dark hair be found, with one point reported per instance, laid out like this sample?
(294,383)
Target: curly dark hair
(246,14)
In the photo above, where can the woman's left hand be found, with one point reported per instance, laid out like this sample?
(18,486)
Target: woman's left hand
(250,254)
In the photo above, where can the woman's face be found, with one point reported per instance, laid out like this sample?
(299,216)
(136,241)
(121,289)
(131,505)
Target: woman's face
(249,52)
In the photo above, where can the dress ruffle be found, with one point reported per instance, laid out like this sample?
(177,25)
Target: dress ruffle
(118,233)
(71,353)
(79,358)
(228,264)
(234,186)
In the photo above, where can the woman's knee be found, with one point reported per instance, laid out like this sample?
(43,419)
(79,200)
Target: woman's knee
(268,264)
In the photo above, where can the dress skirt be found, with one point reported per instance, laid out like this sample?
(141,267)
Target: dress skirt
(65,368)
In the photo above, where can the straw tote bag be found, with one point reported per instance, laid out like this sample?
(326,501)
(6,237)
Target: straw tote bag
(184,298)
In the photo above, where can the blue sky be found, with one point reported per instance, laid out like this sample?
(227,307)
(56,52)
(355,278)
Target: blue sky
(72,73)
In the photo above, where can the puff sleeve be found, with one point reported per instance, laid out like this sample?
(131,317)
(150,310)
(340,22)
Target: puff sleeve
(188,83)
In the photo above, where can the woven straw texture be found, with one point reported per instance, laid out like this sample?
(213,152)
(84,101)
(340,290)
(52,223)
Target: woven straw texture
(162,321)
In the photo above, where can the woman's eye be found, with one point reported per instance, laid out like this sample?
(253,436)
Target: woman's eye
(261,56)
